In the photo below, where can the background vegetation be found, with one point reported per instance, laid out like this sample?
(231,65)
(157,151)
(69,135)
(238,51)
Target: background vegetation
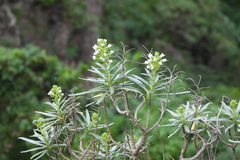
(201,37)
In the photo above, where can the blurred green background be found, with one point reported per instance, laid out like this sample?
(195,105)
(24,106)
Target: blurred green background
(46,42)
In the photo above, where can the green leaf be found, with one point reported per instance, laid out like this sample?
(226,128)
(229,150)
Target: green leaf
(46,114)
(138,82)
(141,79)
(111,90)
(95,80)
(101,98)
(234,141)
(39,155)
(32,141)
(95,70)
(53,105)
(88,119)
(96,136)
(33,149)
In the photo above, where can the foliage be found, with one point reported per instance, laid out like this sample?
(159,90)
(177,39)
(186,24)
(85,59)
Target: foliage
(76,13)
(136,98)
(26,75)
(199,32)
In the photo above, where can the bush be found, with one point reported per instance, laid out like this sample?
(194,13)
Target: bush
(26,76)
(145,100)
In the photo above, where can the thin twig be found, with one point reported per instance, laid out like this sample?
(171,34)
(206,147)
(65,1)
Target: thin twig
(204,146)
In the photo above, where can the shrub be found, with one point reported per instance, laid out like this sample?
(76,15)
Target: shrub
(136,97)
(26,75)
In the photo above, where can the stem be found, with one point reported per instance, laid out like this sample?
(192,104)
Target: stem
(185,144)
(204,146)
(138,108)
(148,114)
(108,129)
(114,100)
(233,145)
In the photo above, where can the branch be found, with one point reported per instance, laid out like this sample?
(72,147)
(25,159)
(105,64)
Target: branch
(138,108)
(109,132)
(204,146)
(114,100)
(185,144)
(214,130)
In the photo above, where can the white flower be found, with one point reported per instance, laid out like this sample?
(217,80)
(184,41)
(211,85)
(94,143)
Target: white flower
(50,92)
(164,60)
(109,45)
(99,39)
(162,55)
(111,51)
(95,53)
(102,59)
(94,57)
(105,54)
(151,66)
(60,91)
(95,47)
(150,55)
(160,63)
(154,58)
(110,61)
(104,40)
(102,44)
(147,61)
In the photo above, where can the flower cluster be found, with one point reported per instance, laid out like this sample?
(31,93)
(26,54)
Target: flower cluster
(55,92)
(233,104)
(105,137)
(154,62)
(102,51)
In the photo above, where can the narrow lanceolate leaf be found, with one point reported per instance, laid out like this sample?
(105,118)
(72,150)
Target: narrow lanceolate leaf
(115,72)
(46,114)
(226,109)
(33,149)
(238,107)
(83,93)
(141,79)
(234,141)
(88,120)
(173,113)
(95,80)
(177,93)
(32,141)
(96,136)
(111,90)
(39,155)
(230,126)
(128,88)
(95,70)
(101,98)
(53,105)
(117,77)
(136,81)
(126,73)
(139,83)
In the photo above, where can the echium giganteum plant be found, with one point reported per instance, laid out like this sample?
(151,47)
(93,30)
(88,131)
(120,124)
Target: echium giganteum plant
(230,121)
(207,126)
(116,86)
(58,127)
(194,120)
